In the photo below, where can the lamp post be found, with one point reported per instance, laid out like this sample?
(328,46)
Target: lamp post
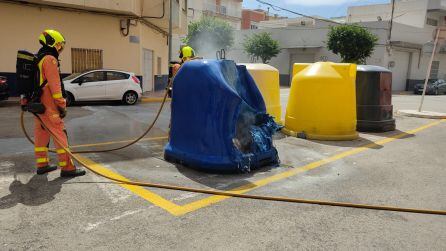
(429,68)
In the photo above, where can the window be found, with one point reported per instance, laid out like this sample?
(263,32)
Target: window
(434,70)
(85,59)
(96,76)
(223,10)
(254,27)
(431,21)
(158,65)
(113,75)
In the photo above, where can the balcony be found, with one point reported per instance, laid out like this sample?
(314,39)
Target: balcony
(127,7)
(222,11)
(156,11)
(437,6)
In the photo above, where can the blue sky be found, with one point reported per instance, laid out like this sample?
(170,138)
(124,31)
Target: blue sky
(324,8)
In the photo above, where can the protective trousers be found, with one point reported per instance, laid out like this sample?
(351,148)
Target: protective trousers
(54,102)
(42,140)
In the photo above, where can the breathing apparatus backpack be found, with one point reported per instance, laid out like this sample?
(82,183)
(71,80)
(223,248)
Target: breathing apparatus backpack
(28,81)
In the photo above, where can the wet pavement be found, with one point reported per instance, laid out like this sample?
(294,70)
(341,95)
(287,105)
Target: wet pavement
(403,168)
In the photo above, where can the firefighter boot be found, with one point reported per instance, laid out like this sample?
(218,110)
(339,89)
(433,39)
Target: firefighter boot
(72,173)
(46,169)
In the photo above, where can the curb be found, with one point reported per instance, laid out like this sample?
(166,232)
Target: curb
(154,100)
(10,102)
(422,114)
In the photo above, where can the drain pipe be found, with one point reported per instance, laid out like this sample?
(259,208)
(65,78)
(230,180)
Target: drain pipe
(170,31)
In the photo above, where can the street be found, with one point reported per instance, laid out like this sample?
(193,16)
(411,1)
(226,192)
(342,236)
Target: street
(403,168)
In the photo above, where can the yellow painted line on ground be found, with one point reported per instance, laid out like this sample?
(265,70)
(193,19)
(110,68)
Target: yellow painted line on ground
(140,191)
(263,182)
(178,210)
(118,142)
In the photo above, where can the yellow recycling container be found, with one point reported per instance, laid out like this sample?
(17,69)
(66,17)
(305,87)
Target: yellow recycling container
(267,80)
(322,102)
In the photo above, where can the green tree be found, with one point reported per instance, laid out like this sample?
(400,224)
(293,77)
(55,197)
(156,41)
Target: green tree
(353,43)
(209,34)
(261,45)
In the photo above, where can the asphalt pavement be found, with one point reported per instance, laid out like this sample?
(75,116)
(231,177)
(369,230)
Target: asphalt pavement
(404,168)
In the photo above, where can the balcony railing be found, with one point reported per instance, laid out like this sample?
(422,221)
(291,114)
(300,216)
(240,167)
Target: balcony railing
(222,10)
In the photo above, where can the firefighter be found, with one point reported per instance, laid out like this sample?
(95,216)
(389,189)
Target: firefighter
(52,98)
(186,53)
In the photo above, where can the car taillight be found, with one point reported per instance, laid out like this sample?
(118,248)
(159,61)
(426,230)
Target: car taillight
(135,79)
(2,81)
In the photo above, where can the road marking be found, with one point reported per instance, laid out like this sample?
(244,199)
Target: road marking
(140,191)
(118,142)
(263,182)
(178,210)
(91,226)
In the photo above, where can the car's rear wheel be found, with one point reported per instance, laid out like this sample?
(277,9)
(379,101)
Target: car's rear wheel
(69,99)
(130,98)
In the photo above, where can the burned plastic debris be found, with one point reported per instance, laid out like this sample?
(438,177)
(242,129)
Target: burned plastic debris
(219,120)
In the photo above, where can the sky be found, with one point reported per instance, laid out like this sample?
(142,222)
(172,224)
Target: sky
(324,8)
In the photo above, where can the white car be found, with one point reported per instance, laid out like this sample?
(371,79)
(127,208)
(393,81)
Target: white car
(97,85)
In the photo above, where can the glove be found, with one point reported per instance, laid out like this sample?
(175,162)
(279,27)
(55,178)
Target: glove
(62,112)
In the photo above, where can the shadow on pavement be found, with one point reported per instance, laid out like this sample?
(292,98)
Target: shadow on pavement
(221,181)
(360,142)
(363,142)
(391,134)
(36,192)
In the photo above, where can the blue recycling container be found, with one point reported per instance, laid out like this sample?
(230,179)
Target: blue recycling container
(218,120)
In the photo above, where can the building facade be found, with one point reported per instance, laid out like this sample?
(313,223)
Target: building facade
(228,10)
(128,35)
(251,18)
(406,54)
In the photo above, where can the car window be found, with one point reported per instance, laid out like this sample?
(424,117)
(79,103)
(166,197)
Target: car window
(113,75)
(72,76)
(96,76)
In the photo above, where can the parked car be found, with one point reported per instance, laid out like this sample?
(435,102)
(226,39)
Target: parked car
(4,90)
(434,87)
(100,85)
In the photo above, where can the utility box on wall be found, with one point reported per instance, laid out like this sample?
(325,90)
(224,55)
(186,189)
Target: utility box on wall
(161,82)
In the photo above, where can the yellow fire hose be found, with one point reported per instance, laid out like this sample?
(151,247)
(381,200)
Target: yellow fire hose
(218,192)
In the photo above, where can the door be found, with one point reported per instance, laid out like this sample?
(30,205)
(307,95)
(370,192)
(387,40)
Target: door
(116,84)
(399,70)
(147,80)
(90,86)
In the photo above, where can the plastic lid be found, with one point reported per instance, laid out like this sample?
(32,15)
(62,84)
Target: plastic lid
(264,67)
(372,68)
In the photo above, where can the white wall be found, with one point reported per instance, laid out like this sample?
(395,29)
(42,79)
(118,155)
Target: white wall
(311,38)
(418,70)
(233,8)
(411,12)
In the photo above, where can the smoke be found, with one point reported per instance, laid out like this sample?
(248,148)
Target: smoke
(206,44)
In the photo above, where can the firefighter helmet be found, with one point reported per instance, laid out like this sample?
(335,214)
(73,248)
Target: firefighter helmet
(51,38)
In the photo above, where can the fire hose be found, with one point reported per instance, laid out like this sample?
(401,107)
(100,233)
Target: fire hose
(215,192)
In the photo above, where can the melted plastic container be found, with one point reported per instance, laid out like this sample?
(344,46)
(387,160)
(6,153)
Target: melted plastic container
(219,121)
